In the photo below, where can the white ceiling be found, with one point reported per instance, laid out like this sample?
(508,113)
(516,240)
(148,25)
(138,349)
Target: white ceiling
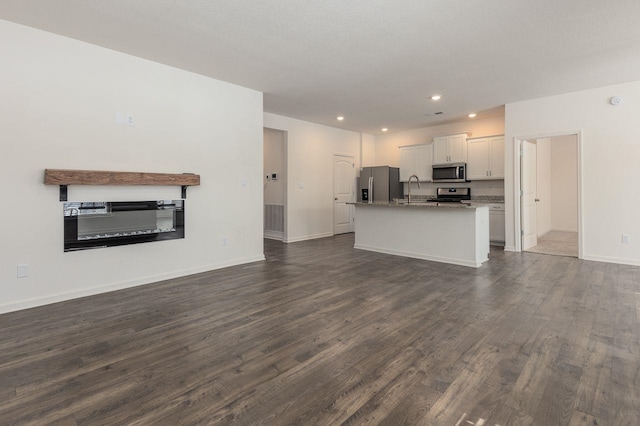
(374,61)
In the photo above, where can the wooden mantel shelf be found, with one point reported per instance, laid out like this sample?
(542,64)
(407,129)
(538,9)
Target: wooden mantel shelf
(98,177)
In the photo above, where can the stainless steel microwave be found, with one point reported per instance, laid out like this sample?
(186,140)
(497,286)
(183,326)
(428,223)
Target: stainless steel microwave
(454,172)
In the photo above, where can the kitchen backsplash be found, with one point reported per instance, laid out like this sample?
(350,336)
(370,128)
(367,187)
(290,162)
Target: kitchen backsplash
(488,198)
(478,198)
(490,190)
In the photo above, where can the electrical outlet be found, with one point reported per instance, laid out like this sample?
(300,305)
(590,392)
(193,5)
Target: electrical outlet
(23,271)
(224,242)
(130,121)
(243,183)
(626,238)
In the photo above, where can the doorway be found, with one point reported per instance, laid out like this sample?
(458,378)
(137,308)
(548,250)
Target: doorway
(274,183)
(549,201)
(343,193)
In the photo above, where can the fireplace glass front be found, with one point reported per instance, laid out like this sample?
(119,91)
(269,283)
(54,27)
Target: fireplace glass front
(91,224)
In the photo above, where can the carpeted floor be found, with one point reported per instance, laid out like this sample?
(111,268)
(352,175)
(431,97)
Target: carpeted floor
(558,243)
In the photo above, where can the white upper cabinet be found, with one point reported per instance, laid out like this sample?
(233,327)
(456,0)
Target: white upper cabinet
(415,160)
(407,162)
(424,161)
(485,158)
(440,150)
(496,149)
(478,159)
(458,149)
(450,149)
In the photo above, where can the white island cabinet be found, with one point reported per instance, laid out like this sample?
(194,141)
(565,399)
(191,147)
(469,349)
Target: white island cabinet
(442,233)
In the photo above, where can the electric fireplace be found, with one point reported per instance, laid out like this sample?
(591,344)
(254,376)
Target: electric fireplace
(89,225)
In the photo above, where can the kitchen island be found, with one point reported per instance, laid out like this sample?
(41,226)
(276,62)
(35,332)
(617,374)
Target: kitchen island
(442,232)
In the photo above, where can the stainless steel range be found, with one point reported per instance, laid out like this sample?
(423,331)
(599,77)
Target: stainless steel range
(452,195)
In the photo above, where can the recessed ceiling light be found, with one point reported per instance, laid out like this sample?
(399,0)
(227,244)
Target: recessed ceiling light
(436,97)
(384,129)
(340,118)
(472,115)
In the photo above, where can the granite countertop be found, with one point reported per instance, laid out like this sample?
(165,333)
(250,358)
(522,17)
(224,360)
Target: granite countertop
(428,201)
(489,199)
(421,205)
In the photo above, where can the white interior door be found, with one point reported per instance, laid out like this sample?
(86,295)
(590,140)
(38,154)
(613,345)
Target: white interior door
(528,199)
(343,192)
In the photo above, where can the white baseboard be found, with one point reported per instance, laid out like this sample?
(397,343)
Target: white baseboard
(510,248)
(421,256)
(274,235)
(91,291)
(542,234)
(607,259)
(308,237)
(564,230)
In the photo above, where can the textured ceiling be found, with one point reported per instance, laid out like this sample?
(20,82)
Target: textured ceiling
(374,61)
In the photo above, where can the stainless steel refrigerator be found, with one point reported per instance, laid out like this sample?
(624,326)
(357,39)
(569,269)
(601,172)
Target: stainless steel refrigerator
(379,184)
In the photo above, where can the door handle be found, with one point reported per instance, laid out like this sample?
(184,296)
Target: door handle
(335,199)
(536,200)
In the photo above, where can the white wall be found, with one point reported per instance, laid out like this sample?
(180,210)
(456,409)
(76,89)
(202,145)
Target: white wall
(564,188)
(59,99)
(368,150)
(388,154)
(610,149)
(310,149)
(274,190)
(543,186)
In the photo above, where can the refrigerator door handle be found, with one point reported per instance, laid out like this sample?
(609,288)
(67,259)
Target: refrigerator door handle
(370,189)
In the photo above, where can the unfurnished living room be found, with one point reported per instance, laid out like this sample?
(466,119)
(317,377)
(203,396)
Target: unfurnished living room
(320,213)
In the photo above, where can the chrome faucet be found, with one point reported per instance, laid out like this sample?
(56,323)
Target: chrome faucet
(409,183)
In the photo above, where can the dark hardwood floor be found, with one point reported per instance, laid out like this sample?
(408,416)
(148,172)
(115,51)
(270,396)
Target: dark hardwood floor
(322,334)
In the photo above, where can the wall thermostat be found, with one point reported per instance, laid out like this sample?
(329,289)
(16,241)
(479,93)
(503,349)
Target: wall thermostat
(615,100)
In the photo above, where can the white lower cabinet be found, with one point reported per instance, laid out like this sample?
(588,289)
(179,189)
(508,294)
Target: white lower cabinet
(415,160)
(496,223)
